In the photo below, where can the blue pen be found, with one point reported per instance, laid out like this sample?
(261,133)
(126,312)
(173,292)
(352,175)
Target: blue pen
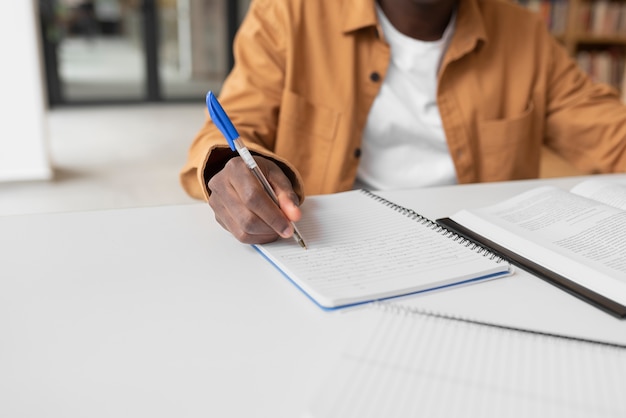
(222,121)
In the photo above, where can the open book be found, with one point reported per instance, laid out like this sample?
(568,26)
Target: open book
(362,248)
(575,240)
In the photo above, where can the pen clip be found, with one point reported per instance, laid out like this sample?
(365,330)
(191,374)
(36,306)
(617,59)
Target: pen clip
(221,120)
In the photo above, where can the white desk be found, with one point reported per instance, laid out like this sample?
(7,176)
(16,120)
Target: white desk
(158,312)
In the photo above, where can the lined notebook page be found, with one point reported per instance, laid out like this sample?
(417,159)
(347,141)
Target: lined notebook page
(407,364)
(360,247)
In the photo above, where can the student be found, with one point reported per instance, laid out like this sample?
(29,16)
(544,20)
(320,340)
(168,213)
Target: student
(394,94)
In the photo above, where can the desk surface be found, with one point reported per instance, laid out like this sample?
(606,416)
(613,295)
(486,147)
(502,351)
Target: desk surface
(159,312)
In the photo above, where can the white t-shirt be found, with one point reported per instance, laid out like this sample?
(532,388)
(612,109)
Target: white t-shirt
(404,144)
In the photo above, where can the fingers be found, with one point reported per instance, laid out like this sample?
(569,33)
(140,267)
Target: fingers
(242,206)
(245,226)
(281,185)
(289,208)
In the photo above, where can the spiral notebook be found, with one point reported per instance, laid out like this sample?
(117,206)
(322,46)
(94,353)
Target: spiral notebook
(400,362)
(362,248)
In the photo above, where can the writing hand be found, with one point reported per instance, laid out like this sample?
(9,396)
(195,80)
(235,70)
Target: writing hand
(243,208)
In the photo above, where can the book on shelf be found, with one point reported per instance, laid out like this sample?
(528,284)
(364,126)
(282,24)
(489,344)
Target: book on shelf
(363,248)
(603,65)
(595,35)
(602,18)
(574,239)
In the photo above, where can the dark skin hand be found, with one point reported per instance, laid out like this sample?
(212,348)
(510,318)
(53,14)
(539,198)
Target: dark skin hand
(238,200)
(242,206)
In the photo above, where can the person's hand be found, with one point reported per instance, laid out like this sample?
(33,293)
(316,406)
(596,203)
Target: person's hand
(244,208)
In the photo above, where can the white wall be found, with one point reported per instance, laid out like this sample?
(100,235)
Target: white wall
(23,133)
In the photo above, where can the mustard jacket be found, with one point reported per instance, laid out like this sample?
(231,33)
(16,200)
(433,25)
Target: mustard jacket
(307,72)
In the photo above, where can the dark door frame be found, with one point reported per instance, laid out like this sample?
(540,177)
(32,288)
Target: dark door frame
(150,32)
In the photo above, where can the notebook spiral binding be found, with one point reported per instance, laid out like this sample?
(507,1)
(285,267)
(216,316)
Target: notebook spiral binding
(437,227)
(405,310)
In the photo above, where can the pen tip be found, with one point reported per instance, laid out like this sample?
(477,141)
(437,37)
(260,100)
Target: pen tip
(298,237)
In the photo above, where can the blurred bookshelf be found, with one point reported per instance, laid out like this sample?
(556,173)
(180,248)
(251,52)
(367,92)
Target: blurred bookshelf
(592,31)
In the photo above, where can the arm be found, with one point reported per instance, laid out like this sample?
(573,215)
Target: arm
(585,121)
(251,95)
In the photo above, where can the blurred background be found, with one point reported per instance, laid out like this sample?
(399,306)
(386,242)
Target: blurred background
(102,51)
(102,98)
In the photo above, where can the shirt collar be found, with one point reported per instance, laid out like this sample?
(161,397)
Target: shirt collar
(358,14)
(470,29)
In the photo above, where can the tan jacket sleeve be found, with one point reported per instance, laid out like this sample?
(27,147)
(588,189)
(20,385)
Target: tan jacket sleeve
(585,121)
(251,96)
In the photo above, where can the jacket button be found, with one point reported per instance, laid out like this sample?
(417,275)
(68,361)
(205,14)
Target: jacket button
(357,152)
(375,77)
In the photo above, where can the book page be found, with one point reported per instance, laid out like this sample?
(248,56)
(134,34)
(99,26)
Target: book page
(608,192)
(361,249)
(576,237)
